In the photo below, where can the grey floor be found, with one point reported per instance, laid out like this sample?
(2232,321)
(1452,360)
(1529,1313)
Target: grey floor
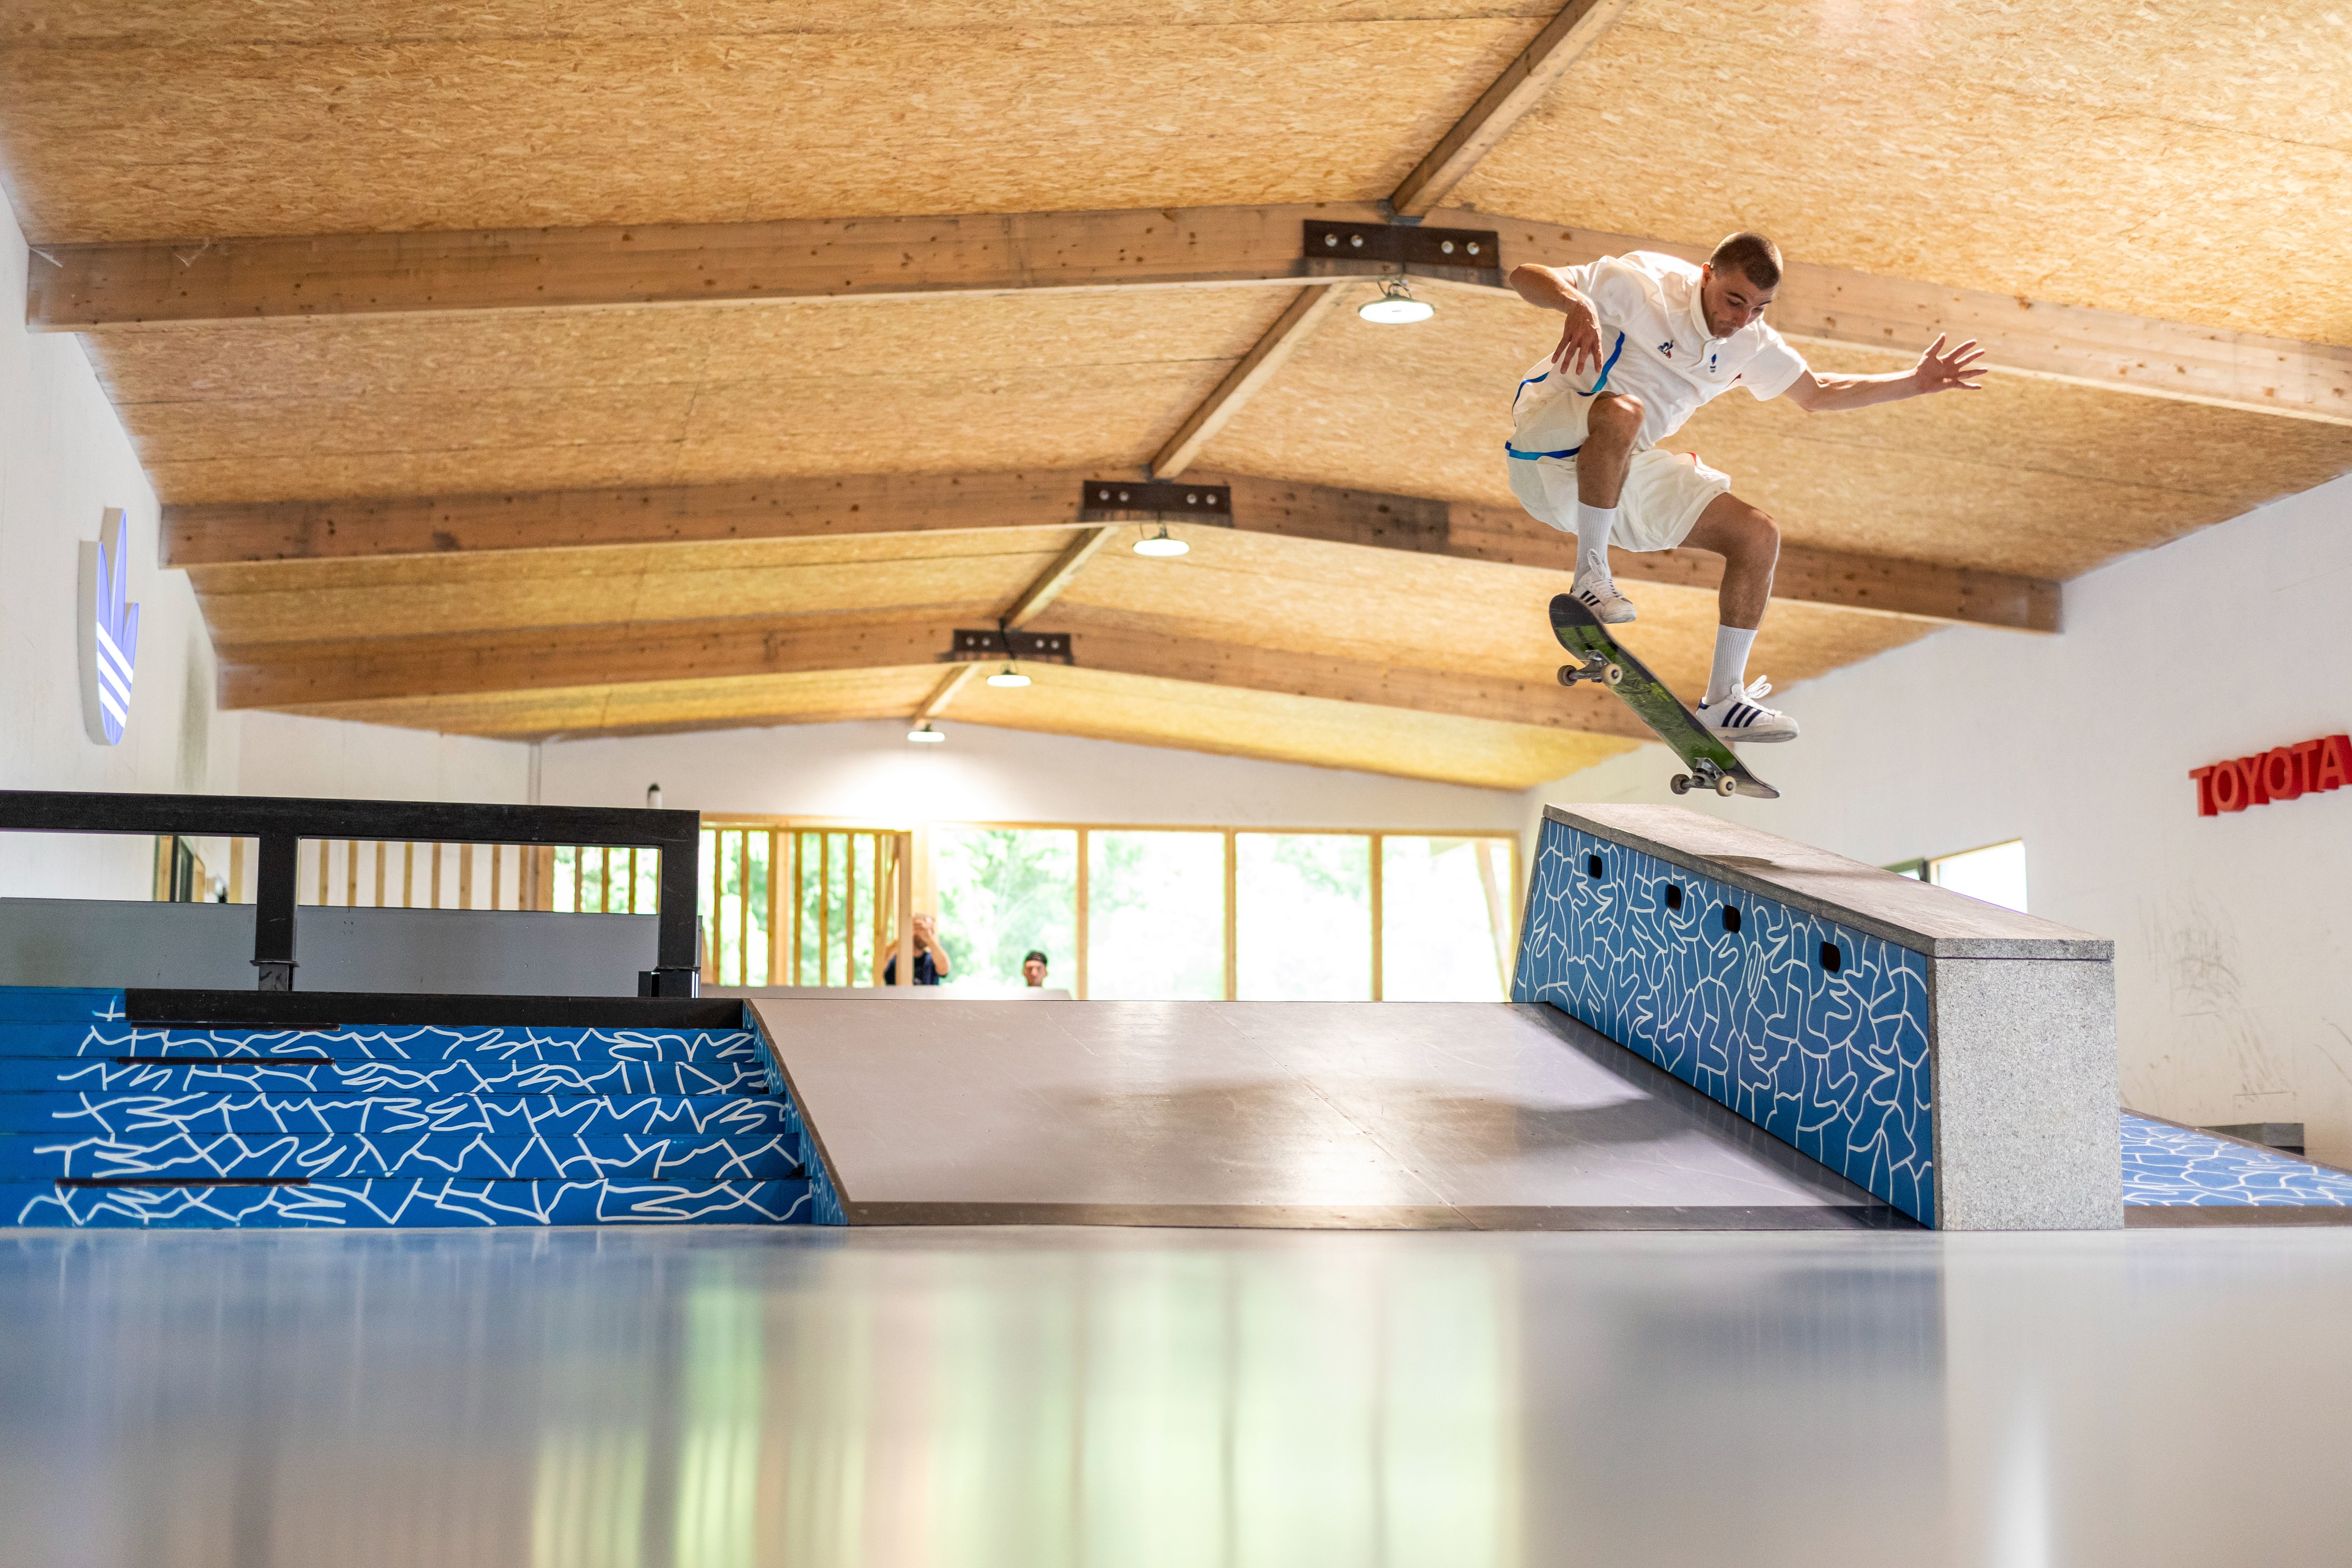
(729,1397)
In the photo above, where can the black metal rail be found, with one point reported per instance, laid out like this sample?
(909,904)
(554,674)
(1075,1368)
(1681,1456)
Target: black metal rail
(281,825)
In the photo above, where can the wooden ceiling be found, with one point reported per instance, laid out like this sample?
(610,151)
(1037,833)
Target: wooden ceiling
(522,371)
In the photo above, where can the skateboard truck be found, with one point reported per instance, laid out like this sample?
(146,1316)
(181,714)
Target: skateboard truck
(1704,775)
(1596,667)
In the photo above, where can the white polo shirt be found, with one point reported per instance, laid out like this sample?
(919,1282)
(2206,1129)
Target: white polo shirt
(1654,345)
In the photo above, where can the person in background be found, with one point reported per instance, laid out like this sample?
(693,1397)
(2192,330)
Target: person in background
(931,962)
(1033,968)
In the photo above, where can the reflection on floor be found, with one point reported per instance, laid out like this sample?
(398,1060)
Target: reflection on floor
(726,1397)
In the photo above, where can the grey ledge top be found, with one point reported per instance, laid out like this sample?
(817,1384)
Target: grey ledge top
(1917,915)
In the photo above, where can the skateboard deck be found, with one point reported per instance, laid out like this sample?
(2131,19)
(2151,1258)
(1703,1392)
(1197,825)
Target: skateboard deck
(1711,763)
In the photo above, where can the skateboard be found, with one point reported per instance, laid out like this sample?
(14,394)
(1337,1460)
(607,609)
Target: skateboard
(1600,660)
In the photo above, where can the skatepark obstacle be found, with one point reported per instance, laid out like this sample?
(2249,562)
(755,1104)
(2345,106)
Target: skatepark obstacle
(1952,1057)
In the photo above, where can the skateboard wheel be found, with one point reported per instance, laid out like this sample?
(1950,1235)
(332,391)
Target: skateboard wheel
(1680,783)
(1568,674)
(1612,674)
(1727,787)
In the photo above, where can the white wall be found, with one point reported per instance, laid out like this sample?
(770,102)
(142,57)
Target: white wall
(2233,934)
(280,754)
(65,457)
(870,772)
(64,460)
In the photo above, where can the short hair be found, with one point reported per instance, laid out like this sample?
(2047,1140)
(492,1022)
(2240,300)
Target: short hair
(1038,956)
(1750,252)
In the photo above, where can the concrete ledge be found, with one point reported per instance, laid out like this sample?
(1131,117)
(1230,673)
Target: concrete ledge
(1916,915)
(1955,1058)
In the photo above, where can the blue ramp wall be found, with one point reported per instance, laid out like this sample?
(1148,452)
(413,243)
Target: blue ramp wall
(112,1123)
(1834,1063)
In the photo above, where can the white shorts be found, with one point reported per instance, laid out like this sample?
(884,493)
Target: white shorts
(1664,492)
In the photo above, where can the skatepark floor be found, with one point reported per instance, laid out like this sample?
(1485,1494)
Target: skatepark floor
(1124,1398)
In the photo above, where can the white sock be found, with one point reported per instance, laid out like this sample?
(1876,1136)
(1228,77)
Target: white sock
(1594,525)
(1731,646)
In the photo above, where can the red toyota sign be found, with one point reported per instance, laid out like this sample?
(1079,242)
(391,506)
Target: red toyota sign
(2282,773)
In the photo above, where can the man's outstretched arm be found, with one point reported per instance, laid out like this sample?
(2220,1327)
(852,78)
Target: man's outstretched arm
(1547,287)
(1817,392)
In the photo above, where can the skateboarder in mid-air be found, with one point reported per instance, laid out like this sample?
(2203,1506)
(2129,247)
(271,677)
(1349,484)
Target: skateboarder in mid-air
(1649,338)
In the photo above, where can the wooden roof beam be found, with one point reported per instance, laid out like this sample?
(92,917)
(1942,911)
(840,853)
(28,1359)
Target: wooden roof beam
(242,534)
(1532,74)
(127,283)
(299,677)
(1033,602)
(121,286)
(1290,330)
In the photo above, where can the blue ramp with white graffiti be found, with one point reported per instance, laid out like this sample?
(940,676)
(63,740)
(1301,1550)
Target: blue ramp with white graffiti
(104,1121)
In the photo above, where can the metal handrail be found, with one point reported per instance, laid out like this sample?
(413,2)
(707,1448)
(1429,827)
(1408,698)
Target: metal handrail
(281,822)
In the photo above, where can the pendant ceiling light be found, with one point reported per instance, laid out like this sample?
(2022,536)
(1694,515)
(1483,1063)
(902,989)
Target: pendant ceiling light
(1396,306)
(1161,545)
(1008,676)
(926,734)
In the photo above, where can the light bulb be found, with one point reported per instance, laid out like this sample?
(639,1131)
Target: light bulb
(1396,311)
(1008,676)
(1161,545)
(1396,306)
(927,734)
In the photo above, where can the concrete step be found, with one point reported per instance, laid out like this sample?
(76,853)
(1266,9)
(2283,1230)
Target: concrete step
(37,1157)
(502,1115)
(460,1202)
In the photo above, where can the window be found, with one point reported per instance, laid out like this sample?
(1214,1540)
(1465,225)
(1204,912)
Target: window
(1121,913)
(1002,891)
(1995,873)
(734,898)
(1445,919)
(1155,916)
(1304,921)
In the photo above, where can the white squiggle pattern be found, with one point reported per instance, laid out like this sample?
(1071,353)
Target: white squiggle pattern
(432,1043)
(491,1075)
(2165,1166)
(493,1115)
(374,1204)
(1835,1064)
(319,1156)
(399,1127)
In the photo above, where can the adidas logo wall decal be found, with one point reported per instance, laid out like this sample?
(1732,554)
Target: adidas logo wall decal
(109,631)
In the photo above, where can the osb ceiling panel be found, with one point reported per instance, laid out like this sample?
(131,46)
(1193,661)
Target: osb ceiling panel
(1314,731)
(1430,612)
(217,118)
(2029,476)
(2186,162)
(558,400)
(1062,701)
(416,595)
(820,698)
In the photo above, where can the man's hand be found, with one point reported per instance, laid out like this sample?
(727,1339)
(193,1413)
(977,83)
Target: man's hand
(1580,341)
(1548,288)
(1939,371)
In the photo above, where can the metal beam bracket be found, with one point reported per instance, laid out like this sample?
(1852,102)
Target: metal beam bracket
(1155,500)
(986,646)
(1473,256)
